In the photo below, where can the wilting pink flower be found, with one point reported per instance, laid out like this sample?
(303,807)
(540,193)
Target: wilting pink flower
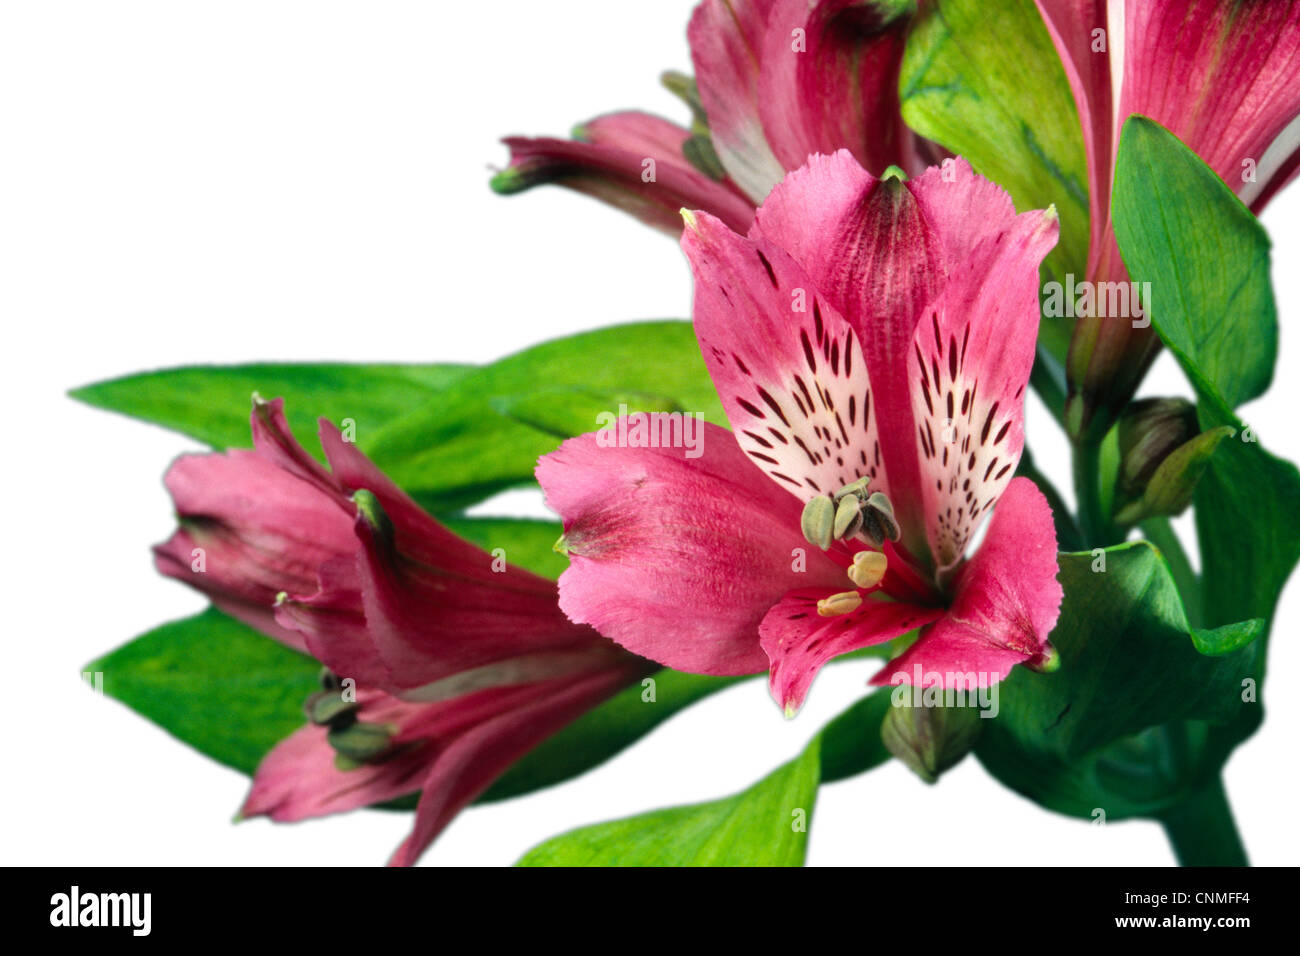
(460,662)
(1224,77)
(865,329)
(778,80)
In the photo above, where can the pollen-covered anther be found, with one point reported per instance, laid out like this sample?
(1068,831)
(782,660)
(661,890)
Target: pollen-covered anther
(843,603)
(868,568)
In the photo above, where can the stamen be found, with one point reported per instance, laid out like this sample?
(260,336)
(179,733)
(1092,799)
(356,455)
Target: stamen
(843,603)
(848,517)
(362,742)
(868,568)
(878,521)
(818,521)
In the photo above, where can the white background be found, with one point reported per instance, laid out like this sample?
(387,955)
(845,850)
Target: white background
(235,181)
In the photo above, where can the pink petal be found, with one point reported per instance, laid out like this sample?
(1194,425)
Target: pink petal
(331,622)
(610,165)
(973,352)
(523,717)
(257,531)
(786,365)
(1070,24)
(1220,76)
(298,779)
(841,89)
(1007,600)
(676,558)
(871,252)
(727,38)
(798,641)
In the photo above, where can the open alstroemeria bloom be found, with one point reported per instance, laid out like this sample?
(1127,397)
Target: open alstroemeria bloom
(1221,75)
(775,80)
(445,663)
(871,340)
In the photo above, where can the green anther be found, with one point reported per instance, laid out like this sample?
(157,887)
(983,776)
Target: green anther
(856,488)
(882,511)
(848,517)
(818,521)
(361,742)
(328,708)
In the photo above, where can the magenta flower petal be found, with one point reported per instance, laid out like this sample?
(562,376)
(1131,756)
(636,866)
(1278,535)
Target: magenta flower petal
(299,779)
(727,44)
(829,80)
(514,720)
(1242,59)
(249,530)
(678,558)
(610,164)
(973,353)
(798,641)
(1006,603)
(1072,25)
(787,366)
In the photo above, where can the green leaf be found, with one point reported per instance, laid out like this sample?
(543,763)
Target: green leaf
(1128,720)
(215,684)
(233,694)
(601,733)
(756,827)
(485,432)
(211,402)
(851,742)
(1181,228)
(765,825)
(1228,638)
(984,80)
(1119,627)
(1247,524)
(1207,258)
(564,412)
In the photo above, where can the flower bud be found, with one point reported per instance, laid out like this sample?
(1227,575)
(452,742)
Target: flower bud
(1163,454)
(930,739)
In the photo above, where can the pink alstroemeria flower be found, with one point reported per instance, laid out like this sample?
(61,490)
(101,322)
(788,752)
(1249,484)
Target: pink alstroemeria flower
(461,664)
(865,329)
(1224,77)
(777,80)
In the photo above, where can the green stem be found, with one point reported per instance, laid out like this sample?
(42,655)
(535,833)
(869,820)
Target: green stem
(1097,530)
(1049,382)
(1202,830)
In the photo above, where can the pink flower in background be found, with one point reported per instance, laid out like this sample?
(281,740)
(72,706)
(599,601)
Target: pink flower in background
(775,80)
(869,333)
(1221,75)
(459,666)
